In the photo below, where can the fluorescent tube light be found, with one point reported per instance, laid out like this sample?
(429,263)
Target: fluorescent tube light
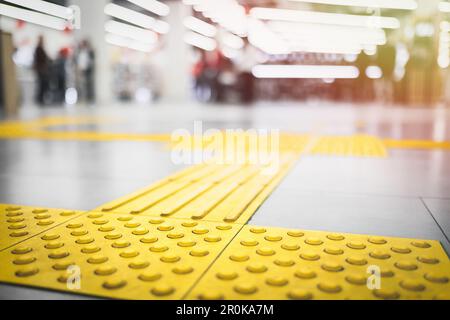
(132,32)
(136,18)
(200,26)
(45,7)
(305,72)
(199,41)
(120,41)
(157,7)
(382,4)
(325,18)
(33,17)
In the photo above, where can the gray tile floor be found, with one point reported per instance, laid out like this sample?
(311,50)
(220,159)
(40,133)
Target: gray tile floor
(404,195)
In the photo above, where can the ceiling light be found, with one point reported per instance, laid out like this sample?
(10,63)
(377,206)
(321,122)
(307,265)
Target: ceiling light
(200,26)
(199,41)
(117,40)
(305,72)
(132,32)
(154,6)
(382,4)
(136,18)
(325,18)
(45,7)
(33,17)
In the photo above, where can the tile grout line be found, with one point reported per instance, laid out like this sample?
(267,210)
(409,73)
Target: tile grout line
(271,190)
(46,230)
(196,282)
(432,216)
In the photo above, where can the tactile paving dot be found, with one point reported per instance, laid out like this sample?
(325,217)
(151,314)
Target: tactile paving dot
(121,257)
(18,223)
(274,263)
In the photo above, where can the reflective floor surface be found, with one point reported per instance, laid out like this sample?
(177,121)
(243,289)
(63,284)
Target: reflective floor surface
(406,194)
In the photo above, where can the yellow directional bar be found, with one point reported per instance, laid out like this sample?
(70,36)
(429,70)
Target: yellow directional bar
(221,193)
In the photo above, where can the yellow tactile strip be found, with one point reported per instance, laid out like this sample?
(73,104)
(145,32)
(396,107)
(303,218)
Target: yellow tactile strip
(275,263)
(118,256)
(221,193)
(416,144)
(354,146)
(38,129)
(18,223)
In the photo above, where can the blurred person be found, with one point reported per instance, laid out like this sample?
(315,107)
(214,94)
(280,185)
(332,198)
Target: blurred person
(85,61)
(206,73)
(41,66)
(244,65)
(60,75)
(201,86)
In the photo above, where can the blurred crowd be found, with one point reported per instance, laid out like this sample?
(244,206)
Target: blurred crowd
(74,67)
(394,74)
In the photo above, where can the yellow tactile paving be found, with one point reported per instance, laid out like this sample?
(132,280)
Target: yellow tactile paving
(37,129)
(118,256)
(183,236)
(275,263)
(18,223)
(354,146)
(416,144)
(221,193)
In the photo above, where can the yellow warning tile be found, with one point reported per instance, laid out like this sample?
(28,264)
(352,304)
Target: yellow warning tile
(350,146)
(18,223)
(221,193)
(275,263)
(118,256)
(416,144)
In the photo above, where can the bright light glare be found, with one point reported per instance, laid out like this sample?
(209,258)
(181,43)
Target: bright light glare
(136,18)
(71,96)
(200,26)
(232,41)
(305,72)
(132,32)
(325,18)
(425,29)
(445,26)
(157,7)
(199,41)
(45,7)
(325,33)
(374,72)
(382,4)
(444,6)
(229,14)
(260,36)
(119,41)
(33,17)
